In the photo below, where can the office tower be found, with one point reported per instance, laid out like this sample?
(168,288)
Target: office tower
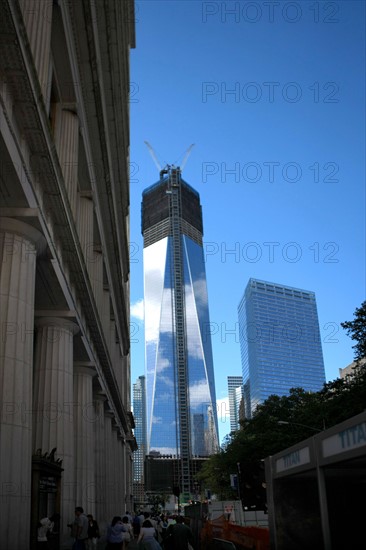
(239,403)
(139,411)
(181,402)
(280,342)
(352,368)
(235,392)
(66,426)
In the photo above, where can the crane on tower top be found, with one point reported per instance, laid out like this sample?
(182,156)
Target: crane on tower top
(168,166)
(188,152)
(153,155)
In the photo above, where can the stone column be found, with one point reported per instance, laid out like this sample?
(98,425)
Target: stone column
(95,265)
(117,470)
(112,338)
(53,422)
(122,469)
(84,223)
(84,436)
(115,354)
(100,461)
(126,381)
(67,146)
(18,248)
(129,460)
(37,16)
(109,464)
(106,314)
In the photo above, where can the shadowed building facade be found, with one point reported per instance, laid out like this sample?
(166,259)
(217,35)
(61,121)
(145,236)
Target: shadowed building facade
(66,427)
(181,402)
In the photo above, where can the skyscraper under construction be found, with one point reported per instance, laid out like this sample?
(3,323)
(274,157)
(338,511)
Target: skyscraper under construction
(181,401)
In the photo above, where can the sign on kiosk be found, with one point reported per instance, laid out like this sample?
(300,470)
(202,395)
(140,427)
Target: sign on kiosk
(345,440)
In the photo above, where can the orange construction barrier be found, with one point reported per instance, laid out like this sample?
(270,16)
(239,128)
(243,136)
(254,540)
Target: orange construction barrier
(244,538)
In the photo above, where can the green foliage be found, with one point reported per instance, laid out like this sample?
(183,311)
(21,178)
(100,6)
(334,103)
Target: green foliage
(356,329)
(262,435)
(156,501)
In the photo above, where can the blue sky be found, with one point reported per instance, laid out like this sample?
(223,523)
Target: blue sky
(272,94)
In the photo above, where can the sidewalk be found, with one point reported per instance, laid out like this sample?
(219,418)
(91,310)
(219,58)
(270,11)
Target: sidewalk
(131,545)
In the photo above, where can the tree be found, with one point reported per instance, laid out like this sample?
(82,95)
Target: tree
(356,329)
(263,435)
(157,501)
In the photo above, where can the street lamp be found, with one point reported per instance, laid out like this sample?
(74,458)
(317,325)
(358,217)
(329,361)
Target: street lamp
(299,424)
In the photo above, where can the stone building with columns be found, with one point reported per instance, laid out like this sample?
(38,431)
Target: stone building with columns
(66,435)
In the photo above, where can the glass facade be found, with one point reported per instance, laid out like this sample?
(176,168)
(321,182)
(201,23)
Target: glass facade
(178,354)
(280,342)
(139,409)
(235,393)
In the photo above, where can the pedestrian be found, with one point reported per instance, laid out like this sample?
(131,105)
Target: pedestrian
(159,529)
(45,526)
(81,525)
(147,539)
(179,536)
(136,525)
(93,532)
(153,521)
(128,535)
(116,534)
(164,527)
(141,518)
(129,516)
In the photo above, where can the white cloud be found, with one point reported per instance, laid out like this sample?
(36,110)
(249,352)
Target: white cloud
(223,417)
(199,393)
(155,293)
(223,412)
(164,397)
(200,291)
(137,310)
(162,364)
(167,381)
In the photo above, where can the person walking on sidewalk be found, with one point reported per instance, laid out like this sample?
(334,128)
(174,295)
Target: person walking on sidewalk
(93,532)
(179,536)
(146,539)
(81,529)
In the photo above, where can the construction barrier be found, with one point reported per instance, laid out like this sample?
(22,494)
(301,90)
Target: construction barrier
(244,538)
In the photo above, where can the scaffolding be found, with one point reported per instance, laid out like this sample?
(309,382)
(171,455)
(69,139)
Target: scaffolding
(180,329)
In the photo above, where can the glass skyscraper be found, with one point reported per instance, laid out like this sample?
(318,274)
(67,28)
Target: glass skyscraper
(139,411)
(181,401)
(280,342)
(235,394)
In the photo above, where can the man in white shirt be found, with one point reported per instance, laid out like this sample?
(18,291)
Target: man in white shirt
(82,524)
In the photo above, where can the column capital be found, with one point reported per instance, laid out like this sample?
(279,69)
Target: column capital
(70,107)
(99,396)
(24,230)
(58,322)
(87,368)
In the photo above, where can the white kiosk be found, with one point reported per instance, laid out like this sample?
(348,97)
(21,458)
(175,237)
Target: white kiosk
(316,490)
